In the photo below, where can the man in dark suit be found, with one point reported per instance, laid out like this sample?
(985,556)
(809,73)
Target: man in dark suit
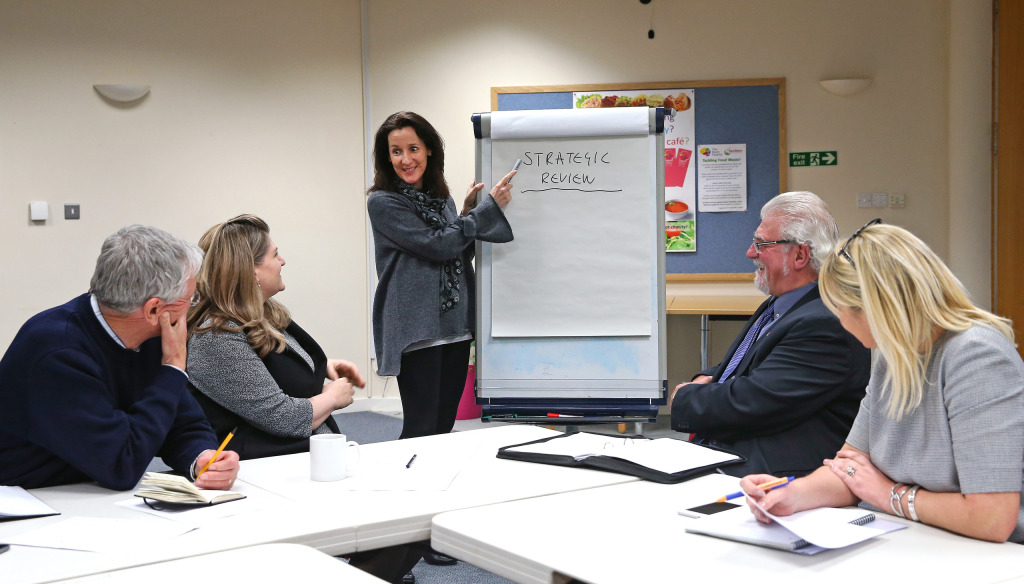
(790,386)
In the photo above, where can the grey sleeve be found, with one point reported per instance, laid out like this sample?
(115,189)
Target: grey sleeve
(397,220)
(984,394)
(223,366)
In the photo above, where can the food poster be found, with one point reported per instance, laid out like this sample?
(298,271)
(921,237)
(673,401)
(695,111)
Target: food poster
(680,190)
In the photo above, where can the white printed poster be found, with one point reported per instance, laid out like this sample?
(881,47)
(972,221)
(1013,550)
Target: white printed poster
(722,172)
(680,192)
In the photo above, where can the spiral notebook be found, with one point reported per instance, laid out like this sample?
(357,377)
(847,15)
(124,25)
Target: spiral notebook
(806,532)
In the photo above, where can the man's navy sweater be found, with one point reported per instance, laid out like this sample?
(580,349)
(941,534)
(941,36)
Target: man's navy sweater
(75,406)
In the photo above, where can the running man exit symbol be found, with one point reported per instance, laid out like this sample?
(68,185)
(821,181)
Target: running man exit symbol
(822,158)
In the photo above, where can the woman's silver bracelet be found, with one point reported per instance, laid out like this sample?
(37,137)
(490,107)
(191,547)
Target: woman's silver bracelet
(910,502)
(894,500)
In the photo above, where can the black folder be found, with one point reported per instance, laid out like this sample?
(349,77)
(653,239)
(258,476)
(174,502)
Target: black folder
(612,463)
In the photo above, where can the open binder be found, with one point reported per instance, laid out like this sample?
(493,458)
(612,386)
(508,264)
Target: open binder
(662,460)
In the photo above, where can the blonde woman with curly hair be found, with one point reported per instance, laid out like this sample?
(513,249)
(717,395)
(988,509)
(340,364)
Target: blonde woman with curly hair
(940,434)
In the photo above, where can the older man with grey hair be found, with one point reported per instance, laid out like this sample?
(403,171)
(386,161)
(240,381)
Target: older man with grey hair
(94,389)
(787,392)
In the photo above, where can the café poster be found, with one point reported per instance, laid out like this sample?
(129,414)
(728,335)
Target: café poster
(680,186)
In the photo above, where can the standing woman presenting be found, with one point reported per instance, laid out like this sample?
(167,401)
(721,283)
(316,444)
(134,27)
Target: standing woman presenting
(423,309)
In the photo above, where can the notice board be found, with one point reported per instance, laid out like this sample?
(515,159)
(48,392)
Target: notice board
(735,111)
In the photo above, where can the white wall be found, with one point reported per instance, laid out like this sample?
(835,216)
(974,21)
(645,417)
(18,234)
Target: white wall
(257,106)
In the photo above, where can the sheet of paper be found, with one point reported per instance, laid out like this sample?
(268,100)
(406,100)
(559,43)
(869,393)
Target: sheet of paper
(670,456)
(433,470)
(17,502)
(722,177)
(827,527)
(196,516)
(582,222)
(96,534)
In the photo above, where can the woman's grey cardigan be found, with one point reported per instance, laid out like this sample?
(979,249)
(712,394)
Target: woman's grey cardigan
(409,255)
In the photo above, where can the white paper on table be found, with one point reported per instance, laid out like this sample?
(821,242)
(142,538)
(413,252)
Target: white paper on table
(17,502)
(827,527)
(197,515)
(96,534)
(433,470)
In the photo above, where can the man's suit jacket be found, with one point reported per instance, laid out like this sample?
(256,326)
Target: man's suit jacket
(792,399)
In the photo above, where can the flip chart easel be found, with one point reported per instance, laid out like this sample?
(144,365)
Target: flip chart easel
(571,314)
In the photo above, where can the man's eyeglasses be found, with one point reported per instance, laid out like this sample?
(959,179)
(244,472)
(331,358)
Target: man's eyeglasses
(194,301)
(759,244)
(842,251)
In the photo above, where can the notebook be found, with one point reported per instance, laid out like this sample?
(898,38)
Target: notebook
(178,490)
(806,532)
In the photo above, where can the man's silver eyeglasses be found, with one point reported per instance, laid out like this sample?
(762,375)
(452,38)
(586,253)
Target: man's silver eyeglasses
(842,251)
(759,244)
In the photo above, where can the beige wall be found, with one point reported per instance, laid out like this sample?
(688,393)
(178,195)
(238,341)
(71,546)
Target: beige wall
(257,106)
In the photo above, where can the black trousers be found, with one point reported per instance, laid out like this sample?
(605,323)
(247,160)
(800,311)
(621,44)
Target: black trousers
(431,383)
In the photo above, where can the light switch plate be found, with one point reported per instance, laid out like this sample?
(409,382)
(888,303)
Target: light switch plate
(72,212)
(39,210)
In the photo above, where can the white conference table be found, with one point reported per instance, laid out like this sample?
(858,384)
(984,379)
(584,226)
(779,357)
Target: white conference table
(262,564)
(285,506)
(633,533)
(264,518)
(386,518)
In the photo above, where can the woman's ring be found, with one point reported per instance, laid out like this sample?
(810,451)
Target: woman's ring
(851,471)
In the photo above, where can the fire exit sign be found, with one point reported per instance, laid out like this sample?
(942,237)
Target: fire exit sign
(824,158)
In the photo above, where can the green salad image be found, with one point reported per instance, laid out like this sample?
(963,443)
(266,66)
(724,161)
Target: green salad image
(680,236)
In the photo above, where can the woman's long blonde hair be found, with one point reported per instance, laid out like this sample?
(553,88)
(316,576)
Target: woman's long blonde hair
(907,294)
(228,290)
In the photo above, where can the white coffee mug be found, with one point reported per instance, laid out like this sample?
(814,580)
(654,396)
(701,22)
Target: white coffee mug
(328,456)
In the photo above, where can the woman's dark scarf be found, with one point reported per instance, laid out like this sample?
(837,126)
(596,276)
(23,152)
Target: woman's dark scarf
(431,210)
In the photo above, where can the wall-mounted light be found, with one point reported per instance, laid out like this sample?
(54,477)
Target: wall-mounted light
(122,92)
(845,86)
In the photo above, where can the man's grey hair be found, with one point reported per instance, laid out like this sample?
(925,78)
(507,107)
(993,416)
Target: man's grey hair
(138,263)
(805,219)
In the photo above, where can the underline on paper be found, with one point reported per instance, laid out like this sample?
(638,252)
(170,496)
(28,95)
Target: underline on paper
(579,190)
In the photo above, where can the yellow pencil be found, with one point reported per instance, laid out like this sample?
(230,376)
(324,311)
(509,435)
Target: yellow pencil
(227,439)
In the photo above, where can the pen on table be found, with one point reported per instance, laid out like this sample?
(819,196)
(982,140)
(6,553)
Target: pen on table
(765,487)
(411,460)
(552,415)
(227,439)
